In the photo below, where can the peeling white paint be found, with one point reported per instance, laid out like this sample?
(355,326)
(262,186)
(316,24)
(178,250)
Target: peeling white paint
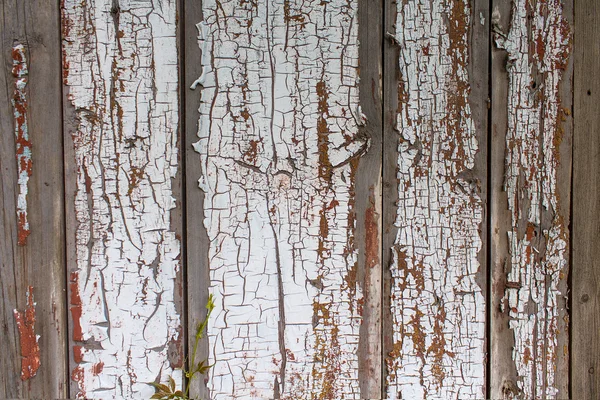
(120,66)
(278,132)
(437,307)
(23,143)
(538,49)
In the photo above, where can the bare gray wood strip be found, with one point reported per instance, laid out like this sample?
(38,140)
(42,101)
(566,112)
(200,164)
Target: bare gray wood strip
(368,199)
(530,197)
(33,361)
(585,298)
(197,267)
(390,79)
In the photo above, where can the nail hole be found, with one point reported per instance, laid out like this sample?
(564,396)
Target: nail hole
(585,298)
(591,370)
(589,92)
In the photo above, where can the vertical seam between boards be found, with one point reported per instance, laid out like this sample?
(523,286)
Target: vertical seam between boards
(183,193)
(489,224)
(67,361)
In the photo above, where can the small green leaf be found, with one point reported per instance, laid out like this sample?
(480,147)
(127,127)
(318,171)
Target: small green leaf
(161,388)
(171,383)
(210,304)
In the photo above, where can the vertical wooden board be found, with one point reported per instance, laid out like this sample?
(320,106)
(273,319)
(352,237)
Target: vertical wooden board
(585,298)
(120,71)
(367,210)
(197,248)
(281,135)
(33,361)
(435,142)
(531,160)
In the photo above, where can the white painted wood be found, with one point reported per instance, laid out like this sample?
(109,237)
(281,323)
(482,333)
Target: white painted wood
(120,63)
(538,46)
(437,305)
(278,131)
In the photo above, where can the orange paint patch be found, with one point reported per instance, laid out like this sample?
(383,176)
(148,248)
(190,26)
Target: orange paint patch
(78,354)
(97,368)
(76,307)
(30,349)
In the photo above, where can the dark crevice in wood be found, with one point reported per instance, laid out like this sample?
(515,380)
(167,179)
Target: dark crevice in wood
(182,168)
(489,226)
(67,360)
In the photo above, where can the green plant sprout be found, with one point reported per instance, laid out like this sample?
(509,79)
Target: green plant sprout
(169,391)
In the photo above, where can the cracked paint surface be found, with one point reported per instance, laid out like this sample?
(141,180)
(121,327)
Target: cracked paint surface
(278,146)
(438,310)
(120,67)
(23,143)
(538,46)
(29,341)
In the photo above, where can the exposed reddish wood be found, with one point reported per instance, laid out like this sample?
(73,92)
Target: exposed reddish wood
(76,309)
(372,244)
(30,349)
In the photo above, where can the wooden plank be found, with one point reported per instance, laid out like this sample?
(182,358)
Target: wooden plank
(33,363)
(585,298)
(531,159)
(120,62)
(435,141)
(197,242)
(368,207)
(280,138)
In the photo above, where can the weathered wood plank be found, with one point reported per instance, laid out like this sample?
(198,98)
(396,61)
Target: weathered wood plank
(280,141)
(438,275)
(367,208)
(585,302)
(33,361)
(197,243)
(531,147)
(120,61)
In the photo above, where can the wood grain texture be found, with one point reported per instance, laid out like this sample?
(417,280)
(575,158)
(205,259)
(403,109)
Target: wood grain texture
(531,142)
(120,70)
(585,298)
(33,362)
(437,284)
(197,253)
(368,210)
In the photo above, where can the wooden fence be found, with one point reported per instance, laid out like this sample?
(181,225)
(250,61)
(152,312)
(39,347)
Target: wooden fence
(385,199)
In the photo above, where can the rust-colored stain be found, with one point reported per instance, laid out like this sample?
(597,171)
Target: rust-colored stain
(527,356)
(66,29)
(325,167)
(30,349)
(251,154)
(76,307)
(323,234)
(97,368)
(78,375)
(78,354)
(372,233)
